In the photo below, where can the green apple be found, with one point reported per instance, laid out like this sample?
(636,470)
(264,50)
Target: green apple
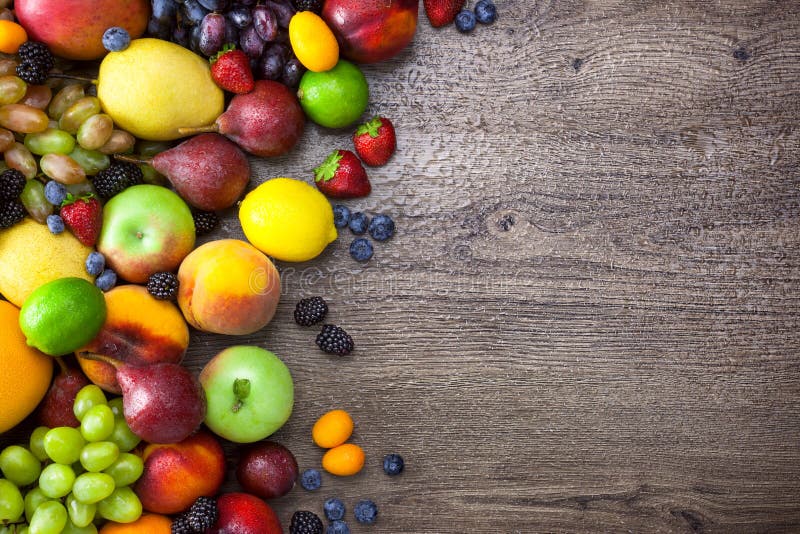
(249,393)
(146,229)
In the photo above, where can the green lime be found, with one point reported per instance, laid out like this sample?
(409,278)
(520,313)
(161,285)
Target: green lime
(63,315)
(334,98)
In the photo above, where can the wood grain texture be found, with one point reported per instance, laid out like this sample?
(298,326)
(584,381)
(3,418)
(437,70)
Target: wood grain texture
(589,319)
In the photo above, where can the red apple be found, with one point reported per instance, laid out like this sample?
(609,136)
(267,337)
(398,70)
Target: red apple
(369,31)
(73,29)
(242,513)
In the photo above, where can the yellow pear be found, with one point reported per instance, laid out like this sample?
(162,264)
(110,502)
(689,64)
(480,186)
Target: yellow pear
(154,87)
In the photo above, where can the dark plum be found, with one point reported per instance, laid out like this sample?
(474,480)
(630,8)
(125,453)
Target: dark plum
(267,469)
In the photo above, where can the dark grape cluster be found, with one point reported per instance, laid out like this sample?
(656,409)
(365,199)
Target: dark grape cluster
(260,29)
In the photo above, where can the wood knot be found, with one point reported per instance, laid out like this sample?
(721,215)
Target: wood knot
(505,222)
(741,54)
(577,63)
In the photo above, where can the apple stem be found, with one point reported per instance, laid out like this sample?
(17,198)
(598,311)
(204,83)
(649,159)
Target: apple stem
(198,129)
(72,77)
(241,389)
(132,158)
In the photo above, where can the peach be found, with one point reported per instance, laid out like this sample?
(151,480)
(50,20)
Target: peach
(139,329)
(228,287)
(176,474)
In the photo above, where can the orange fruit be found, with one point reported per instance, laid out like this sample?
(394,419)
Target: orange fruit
(313,42)
(344,460)
(332,429)
(12,35)
(26,371)
(149,523)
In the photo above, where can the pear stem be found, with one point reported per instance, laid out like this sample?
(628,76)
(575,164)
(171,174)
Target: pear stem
(241,389)
(61,365)
(132,158)
(198,129)
(72,77)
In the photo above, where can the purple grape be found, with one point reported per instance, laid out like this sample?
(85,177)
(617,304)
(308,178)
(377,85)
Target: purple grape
(214,5)
(283,12)
(193,12)
(250,42)
(265,22)
(194,39)
(159,29)
(212,34)
(231,32)
(240,16)
(164,10)
(247,2)
(292,72)
(180,35)
(270,66)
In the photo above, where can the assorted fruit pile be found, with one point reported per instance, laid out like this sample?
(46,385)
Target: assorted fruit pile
(105,184)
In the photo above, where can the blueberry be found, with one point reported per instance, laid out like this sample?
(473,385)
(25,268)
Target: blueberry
(465,21)
(106,280)
(55,193)
(338,527)
(341,216)
(116,39)
(393,464)
(366,512)
(55,224)
(361,249)
(358,223)
(311,479)
(485,12)
(381,227)
(95,263)
(333,508)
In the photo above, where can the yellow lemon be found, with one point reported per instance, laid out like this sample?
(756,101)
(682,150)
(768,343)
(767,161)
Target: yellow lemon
(30,256)
(287,219)
(313,42)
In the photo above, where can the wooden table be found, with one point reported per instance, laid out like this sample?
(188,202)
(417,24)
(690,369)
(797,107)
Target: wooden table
(588,319)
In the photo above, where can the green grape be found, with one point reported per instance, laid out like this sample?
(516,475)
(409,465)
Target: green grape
(19,465)
(78,112)
(122,506)
(49,141)
(120,142)
(6,139)
(123,436)
(97,423)
(24,529)
(33,499)
(63,444)
(90,488)
(126,470)
(64,99)
(35,202)
(152,176)
(71,528)
(36,443)
(97,456)
(23,119)
(117,406)
(92,161)
(95,131)
(49,518)
(20,158)
(12,89)
(62,168)
(56,480)
(12,505)
(37,96)
(80,514)
(88,396)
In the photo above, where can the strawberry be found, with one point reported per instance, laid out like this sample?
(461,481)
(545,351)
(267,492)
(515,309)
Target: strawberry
(230,69)
(375,141)
(83,216)
(442,12)
(342,175)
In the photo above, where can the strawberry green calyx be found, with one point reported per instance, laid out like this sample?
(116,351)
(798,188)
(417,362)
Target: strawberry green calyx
(71,199)
(370,127)
(224,50)
(328,167)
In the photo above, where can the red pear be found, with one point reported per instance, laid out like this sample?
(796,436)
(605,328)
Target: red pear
(56,407)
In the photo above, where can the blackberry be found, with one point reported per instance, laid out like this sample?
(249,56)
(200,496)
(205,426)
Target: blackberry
(36,53)
(32,73)
(11,212)
(203,514)
(204,221)
(308,5)
(334,340)
(180,525)
(119,176)
(12,182)
(163,286)
(305,522)
(310,311)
